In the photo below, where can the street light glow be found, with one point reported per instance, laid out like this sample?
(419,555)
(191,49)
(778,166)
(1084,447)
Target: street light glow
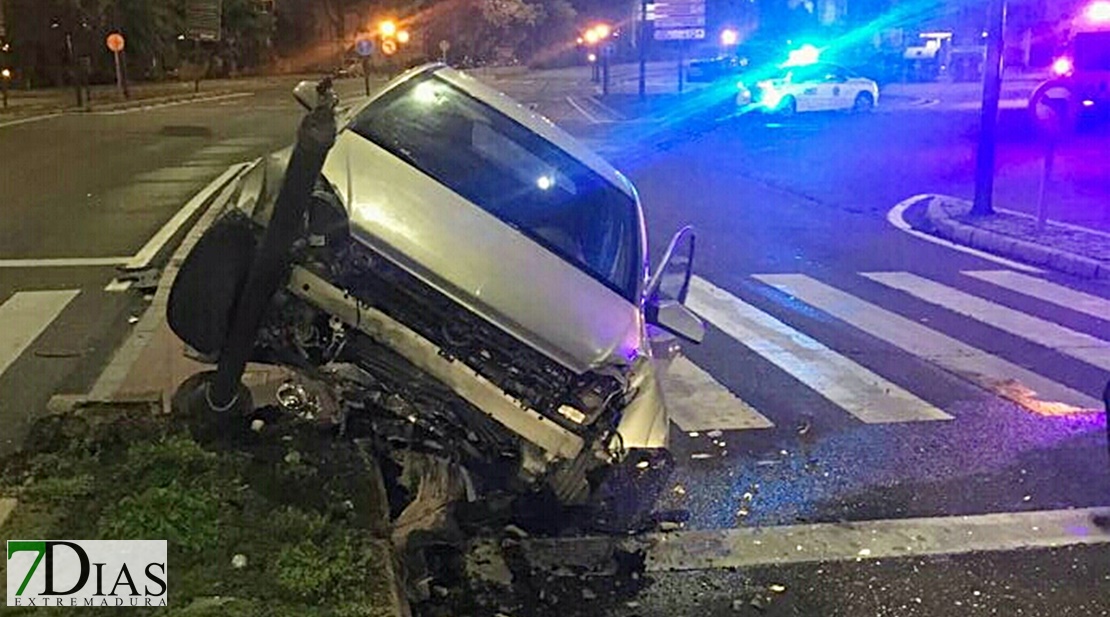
(6,74)
(1099,11)
(729,37)
(1063,66)
(592,58)
(603,31)
(403,36)
(387,28)
(592,37)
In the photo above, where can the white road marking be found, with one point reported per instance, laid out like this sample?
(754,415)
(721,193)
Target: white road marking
(117,286)
(25,316)
(180,173)
(1079,345)
(896,217)
(884,539)
(146,255)
(153,106)
(593,119)
(697,402)
(28,120)
(64,262)
(1046,290)
(855,389)
(992,373)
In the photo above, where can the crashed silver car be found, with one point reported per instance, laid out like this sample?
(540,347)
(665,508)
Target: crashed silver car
(472,282)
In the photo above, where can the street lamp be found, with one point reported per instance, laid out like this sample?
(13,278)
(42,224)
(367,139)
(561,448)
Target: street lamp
(729,37)
(387,28)
(403,37)
(5,77)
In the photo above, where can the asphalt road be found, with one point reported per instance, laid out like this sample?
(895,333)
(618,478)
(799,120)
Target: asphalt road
(852,372)
(822,314)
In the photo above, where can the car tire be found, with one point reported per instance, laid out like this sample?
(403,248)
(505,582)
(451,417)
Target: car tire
(865,103)
(788,107)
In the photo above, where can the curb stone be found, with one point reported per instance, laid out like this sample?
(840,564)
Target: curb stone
(942,212)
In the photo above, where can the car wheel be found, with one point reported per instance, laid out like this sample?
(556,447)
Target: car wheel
(864,103)
(788,107)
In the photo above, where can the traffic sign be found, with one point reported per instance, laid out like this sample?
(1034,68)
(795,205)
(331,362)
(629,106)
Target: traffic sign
(389,47)
(679,20)
(444,45)
(204,19)
(680,34)
(364,47)
(115,42)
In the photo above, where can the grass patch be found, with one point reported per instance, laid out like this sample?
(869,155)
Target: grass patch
(290,501)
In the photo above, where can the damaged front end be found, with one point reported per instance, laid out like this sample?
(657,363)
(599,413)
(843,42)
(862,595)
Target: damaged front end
(386,345)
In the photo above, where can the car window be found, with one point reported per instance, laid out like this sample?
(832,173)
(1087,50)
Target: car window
(513,173)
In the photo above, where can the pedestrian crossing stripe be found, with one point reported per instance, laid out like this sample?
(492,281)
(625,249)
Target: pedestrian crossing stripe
(1047,291)
(697,402)
(855,389)
(1078,345)
(25,316)
(990,372)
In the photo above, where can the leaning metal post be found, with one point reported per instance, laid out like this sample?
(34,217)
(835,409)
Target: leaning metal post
(314,139)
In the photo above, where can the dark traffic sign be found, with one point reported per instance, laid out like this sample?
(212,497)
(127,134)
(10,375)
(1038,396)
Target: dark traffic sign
(203,19)
(680,20)
(364,47)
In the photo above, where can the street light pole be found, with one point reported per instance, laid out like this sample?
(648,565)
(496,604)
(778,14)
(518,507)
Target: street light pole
(992,91)
(643,48)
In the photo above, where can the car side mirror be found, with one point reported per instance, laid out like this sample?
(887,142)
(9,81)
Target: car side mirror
(677,319)
(668,287)
(306,94)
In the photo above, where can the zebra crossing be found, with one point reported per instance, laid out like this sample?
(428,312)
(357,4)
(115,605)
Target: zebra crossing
(701,402)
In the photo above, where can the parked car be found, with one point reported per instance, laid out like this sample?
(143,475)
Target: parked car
(815,87)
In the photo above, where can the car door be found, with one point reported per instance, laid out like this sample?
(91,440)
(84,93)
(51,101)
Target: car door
(834,92)
(805,86)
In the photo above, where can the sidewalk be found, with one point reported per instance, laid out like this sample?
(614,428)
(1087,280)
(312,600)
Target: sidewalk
(27,103)
(1058,246)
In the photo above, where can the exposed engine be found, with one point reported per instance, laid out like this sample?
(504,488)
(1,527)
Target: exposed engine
(377,391)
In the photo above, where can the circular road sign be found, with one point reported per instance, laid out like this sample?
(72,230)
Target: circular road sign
(364,47)
(389,47)
(115,42)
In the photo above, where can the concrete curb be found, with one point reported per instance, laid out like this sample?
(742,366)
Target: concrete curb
(942,212)
(45,112)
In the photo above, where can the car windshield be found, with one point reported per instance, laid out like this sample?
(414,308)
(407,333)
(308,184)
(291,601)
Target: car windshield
(511,172)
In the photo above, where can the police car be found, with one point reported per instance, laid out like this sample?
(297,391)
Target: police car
(819,86)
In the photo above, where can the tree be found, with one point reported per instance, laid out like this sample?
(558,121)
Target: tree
(247,32)
(479,29)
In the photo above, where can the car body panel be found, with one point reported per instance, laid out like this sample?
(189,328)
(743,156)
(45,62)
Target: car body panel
(446,241)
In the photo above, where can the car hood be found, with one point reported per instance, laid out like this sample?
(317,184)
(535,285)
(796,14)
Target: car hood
(479,261)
